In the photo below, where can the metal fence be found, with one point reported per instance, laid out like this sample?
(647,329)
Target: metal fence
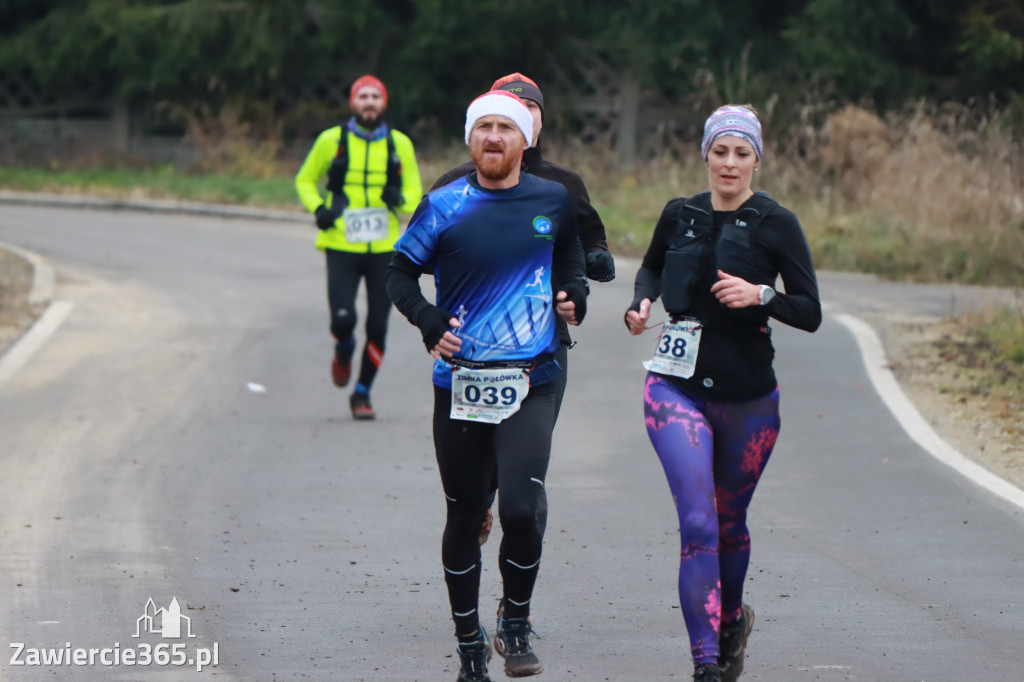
(610,111)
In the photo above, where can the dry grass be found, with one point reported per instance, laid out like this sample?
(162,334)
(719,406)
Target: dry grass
(934,195)
(230,144)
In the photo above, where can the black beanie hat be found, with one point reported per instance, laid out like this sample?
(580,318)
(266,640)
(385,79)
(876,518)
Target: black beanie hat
(518,84)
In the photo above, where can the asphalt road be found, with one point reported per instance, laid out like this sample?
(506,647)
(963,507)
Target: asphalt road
(178,437)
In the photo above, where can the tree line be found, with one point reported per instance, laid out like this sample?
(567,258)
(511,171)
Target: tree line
(294,58)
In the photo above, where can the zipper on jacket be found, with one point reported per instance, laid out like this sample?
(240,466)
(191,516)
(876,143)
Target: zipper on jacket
(366,186)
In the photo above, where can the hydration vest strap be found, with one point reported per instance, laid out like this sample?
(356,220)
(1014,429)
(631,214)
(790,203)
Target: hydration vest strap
(699,205)
(394,171)
(339,167)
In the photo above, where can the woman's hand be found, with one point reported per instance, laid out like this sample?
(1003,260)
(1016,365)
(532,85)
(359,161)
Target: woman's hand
(637,321)
(735,292)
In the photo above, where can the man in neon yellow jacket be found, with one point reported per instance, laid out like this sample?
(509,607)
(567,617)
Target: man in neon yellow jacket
(372,176)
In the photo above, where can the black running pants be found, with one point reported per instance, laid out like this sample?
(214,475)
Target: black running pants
(469,454)
(344,271)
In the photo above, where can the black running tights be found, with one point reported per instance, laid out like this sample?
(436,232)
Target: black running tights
(344,270)
(468,455)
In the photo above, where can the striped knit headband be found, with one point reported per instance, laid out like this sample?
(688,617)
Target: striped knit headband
(735,121)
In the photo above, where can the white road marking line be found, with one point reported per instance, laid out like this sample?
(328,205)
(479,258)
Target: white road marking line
(910,419)
(22,351)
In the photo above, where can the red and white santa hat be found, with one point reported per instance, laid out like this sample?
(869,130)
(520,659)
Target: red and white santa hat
(500,103)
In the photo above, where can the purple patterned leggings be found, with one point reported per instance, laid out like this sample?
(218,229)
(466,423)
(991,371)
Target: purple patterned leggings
(713,455)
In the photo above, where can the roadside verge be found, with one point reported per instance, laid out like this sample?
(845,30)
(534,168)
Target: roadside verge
(40,295)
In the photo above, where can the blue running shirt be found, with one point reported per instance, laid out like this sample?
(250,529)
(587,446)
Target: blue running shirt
(491,254)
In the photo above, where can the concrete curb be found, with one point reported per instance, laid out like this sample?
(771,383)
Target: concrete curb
(154,205)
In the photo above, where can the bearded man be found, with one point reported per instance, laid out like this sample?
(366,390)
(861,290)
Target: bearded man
(506,259)
(372,176)
(600,263)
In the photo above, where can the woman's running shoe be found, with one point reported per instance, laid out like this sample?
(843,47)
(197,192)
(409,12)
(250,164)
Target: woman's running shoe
(707,672)
(733,644)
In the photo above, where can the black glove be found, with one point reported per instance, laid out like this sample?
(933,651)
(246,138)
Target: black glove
(433,323)
(325,217)
(576,291)
(392,196)
(600,266)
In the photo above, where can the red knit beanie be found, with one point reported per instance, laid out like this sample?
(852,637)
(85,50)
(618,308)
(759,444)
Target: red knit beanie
(367,81)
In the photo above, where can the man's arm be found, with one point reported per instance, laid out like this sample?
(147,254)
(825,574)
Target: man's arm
(600,264)
(401,279)
(412,183)
(315,167)
(568,270)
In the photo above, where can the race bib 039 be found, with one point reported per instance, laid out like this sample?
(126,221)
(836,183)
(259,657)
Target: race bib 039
(488,395)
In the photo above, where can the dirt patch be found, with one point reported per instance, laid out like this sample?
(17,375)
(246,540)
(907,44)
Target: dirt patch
(16,315)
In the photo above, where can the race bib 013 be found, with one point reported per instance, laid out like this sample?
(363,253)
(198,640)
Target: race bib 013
(365,224)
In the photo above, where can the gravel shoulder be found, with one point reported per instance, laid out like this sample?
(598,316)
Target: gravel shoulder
(971,400)
(967,398)
(16,315)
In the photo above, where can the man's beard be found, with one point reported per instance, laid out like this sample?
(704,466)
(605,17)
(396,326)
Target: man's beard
(369,123)
(496,169)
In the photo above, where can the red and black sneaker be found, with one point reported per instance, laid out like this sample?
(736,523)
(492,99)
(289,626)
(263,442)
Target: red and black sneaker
(361,408)
(340,374)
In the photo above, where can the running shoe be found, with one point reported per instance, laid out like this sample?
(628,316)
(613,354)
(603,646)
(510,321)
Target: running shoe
(512,642)
(707,672)
(473,658)
(485,527)
(340,374)
(361,408)
(733,644)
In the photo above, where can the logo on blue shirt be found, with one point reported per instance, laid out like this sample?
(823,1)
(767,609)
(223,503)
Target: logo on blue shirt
(542,224)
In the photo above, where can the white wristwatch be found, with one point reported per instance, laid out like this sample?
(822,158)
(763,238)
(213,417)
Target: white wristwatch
(766,294)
